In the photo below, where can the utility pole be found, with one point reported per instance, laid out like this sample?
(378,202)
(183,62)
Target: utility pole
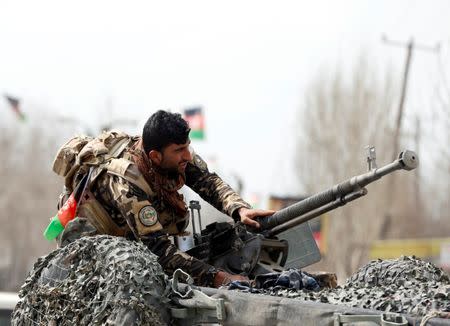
(401,105)
(410,46)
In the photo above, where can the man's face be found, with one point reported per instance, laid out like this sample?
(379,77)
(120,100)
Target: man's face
(174,157)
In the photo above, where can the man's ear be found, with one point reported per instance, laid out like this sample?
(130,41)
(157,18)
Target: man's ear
(155,156)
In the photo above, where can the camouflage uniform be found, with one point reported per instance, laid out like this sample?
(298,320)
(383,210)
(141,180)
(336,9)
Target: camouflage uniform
(138,213)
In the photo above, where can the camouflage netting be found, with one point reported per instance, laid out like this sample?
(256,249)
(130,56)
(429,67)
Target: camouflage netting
(404,285)
(98,280)
(107,280)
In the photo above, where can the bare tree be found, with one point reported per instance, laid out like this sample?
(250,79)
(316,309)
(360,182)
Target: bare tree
(437,140)
(342,114)
(27,198)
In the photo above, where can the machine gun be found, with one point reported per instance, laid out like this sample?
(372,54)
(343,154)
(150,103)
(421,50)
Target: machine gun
(238,249)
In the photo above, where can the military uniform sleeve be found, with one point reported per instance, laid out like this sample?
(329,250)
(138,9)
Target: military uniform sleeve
(141,217)
(212,188)
(170,258)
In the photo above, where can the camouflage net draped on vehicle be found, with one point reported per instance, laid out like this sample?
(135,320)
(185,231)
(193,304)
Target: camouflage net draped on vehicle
(105,280)
(99,280)
(404,285)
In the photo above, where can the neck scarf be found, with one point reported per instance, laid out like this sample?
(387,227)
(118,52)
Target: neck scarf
(163,183)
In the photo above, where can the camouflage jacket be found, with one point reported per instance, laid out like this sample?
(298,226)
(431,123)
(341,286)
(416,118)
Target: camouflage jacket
(138,213)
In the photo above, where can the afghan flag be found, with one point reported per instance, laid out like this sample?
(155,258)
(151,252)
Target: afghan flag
(68,211)
(196,121)
(15,106)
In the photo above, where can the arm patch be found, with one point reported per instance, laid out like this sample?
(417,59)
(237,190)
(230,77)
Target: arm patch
(148,216)
(199,162)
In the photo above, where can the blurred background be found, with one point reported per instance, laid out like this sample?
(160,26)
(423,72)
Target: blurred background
(283,96)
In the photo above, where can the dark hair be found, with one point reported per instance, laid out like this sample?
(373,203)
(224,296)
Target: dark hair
(164,128)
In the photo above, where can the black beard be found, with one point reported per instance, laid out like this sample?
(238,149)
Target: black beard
(173,174)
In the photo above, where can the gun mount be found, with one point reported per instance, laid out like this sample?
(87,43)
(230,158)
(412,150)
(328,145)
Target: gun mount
(237,249)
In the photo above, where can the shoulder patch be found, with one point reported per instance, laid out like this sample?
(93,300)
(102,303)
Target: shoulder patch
(198,162)
(148,215)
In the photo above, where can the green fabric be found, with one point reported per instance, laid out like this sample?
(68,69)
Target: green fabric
(53,229)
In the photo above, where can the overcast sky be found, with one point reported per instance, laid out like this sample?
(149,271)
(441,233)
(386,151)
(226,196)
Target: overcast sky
(246,62)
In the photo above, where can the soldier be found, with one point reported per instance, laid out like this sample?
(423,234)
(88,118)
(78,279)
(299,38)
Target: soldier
(133,192)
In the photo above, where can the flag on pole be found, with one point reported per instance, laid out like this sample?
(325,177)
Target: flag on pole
(15,106)
(196,121)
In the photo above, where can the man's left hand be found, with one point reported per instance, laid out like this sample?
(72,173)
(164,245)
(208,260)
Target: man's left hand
(248,215)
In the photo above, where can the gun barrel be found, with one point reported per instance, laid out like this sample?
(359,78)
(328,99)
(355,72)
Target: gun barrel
(317,212)
(407,160)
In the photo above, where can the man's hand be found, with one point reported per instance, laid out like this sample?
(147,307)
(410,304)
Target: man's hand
(248,215)
(224,278)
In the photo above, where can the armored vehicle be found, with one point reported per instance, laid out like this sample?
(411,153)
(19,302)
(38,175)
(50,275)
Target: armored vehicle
(106,280)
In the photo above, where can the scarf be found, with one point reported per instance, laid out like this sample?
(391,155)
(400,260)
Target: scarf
(163,183)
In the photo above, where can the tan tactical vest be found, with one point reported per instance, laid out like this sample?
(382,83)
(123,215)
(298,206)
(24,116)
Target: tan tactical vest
(80,153)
